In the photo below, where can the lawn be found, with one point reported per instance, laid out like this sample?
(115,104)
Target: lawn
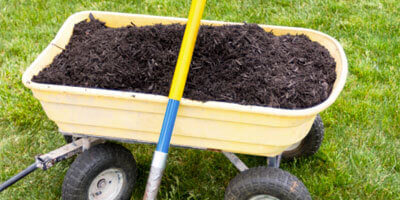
(359,158)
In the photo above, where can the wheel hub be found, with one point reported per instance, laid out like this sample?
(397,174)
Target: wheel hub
(102,183)
(107,185)
(263,197)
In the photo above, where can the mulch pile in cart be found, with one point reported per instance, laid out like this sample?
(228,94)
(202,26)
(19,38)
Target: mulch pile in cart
(237,63)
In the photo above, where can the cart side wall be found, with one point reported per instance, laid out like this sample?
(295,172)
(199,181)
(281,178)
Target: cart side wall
(144,124)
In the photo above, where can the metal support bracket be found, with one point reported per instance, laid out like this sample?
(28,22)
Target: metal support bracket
(274,161)
(239,164)
(47,160)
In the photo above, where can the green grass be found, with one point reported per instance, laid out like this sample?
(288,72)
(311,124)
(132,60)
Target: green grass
(359,158)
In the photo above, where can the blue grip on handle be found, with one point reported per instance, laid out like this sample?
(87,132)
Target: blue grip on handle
(167,126)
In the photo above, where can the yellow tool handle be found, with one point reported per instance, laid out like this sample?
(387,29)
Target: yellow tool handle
(186,51)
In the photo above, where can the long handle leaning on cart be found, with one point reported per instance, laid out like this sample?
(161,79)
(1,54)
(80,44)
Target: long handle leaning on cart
(178,85)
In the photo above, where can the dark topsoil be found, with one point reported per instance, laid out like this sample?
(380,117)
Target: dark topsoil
(240,64)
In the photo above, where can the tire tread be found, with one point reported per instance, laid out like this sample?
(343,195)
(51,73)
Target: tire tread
(263,180)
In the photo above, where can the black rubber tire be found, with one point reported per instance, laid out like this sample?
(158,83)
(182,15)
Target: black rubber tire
(266,181)
(310,144)
(91,163)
